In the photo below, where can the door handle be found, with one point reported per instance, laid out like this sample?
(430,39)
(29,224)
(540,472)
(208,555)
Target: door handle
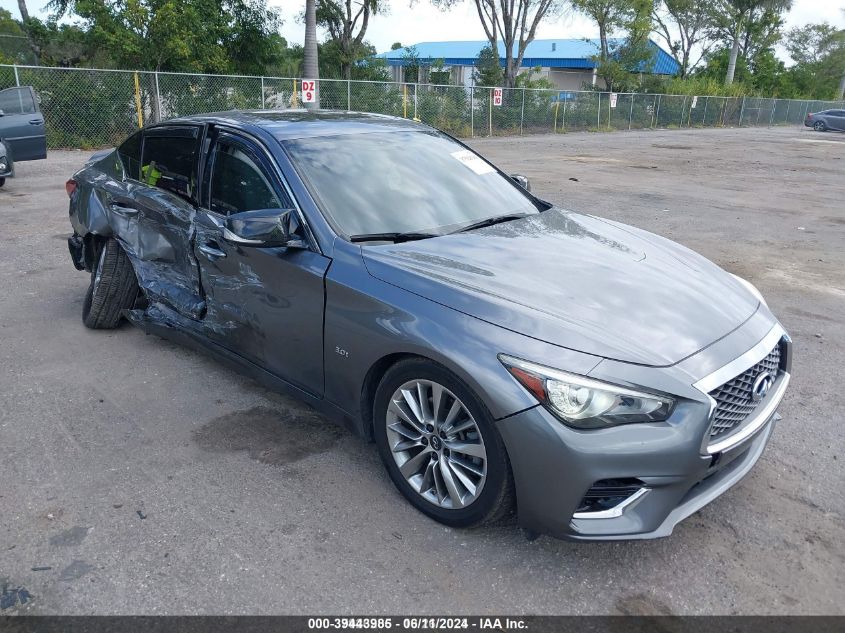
(211,251)
(121,210)
(36,122)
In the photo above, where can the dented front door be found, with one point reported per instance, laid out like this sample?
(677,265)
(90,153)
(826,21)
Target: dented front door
(264,303)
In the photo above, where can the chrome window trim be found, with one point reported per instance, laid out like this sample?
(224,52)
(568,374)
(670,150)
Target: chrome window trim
(730,371)
(614,512)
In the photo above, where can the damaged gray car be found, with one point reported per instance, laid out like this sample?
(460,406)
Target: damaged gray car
(505,355)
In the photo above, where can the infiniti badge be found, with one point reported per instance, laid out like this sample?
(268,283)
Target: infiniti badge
(762,383)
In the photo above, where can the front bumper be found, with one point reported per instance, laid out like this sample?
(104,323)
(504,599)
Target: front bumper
(679,467)
(553,472)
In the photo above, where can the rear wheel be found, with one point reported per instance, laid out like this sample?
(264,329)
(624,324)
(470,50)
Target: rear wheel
(113,288)
(819,126)
(440,445)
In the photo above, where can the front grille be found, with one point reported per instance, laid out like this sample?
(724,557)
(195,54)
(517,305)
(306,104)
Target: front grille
(733,399)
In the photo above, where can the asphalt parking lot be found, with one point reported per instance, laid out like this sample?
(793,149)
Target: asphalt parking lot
(141,477)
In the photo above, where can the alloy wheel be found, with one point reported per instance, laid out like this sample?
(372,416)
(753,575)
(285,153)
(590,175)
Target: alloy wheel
(436,444)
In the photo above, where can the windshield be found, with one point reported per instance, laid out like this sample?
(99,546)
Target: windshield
(402,182)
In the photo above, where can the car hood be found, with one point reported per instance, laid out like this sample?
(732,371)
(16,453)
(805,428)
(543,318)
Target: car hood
(576,281)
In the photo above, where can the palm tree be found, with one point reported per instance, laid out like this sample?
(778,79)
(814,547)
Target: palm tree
(310,66)
(737,12)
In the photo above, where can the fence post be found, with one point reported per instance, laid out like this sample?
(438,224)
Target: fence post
(349,95)
(522,112)
(490,113)
(631,113)
(17,78)
(772,117)
(598,114)
(472,111)
(262,93)
(788,104)
(683,107)
(657,115)
(704,118)
(157,112)
(741,112)
(416,90)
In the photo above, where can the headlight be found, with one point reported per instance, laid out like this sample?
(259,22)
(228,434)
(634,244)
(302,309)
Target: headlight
(585,403)
(751,288)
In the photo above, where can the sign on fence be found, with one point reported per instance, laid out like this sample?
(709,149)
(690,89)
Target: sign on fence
(309,91)
(694,102)
(613,98)
(497,96)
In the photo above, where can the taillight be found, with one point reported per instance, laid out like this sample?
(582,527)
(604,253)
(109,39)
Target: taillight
(70,187)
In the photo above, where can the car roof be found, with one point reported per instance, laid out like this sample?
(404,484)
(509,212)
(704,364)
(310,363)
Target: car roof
(299,123)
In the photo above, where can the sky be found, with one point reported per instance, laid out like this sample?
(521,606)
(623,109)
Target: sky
(424,23)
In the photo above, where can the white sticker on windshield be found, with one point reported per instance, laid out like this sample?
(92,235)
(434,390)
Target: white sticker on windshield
(473,161)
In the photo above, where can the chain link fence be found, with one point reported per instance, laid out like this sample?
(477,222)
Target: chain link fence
(86,108)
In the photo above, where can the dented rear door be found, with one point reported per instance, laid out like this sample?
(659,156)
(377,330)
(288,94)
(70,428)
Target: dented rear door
(162,211)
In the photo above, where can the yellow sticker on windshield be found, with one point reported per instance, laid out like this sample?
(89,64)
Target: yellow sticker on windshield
(473,161)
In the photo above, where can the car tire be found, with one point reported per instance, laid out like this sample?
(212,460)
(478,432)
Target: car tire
(819,126)
(2,181)
(493,499)
(113,288)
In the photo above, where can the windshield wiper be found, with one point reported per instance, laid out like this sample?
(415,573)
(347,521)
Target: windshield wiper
(491,221)
(390,237)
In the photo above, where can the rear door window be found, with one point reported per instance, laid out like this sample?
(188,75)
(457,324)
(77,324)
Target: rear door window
(17,101)
(169,161)
(130,156)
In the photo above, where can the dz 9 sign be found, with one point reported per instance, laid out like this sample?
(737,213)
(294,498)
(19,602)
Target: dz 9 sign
(309,91)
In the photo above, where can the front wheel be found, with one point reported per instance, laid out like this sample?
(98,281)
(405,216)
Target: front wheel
(2,181)
(113,288)
(819,126)
(440,446)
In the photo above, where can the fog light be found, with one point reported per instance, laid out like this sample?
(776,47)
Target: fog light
(3,166)
(608,498)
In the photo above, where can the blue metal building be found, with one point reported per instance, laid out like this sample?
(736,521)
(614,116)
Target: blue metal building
(568,63)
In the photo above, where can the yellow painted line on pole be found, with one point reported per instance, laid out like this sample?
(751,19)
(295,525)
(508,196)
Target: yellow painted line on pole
(490,114)
(557,107)
(295,96)
(138,102)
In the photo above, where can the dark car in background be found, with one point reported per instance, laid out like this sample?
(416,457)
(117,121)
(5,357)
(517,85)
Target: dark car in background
(826,120)
(22,135)
(502,353)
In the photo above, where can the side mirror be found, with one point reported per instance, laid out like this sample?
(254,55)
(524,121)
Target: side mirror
(522,181)
(265,227)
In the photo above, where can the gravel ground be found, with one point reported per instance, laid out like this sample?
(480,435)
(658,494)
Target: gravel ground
(140,477)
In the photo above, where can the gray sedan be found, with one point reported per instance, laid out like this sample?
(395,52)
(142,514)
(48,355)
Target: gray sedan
(826,120)
(505,356)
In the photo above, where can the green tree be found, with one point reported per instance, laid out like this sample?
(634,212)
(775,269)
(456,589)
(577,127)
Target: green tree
(618,59)
(346,22)
(488,70)
(14,41)
(744,23)
(683,26)
(515,22)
